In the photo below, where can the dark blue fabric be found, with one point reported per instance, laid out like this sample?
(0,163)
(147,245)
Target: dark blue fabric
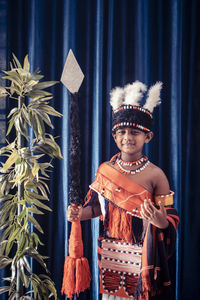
(116,42)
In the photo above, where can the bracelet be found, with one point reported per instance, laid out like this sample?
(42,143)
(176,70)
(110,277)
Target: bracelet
(165,199)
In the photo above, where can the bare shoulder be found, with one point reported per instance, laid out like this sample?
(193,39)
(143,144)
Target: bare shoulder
(159,180)
(156,171)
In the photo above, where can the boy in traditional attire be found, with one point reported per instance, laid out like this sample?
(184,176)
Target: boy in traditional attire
(134,200)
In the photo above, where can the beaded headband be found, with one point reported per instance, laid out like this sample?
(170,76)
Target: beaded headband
(127,111)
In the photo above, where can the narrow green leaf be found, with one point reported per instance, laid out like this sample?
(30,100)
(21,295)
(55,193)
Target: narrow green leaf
(34,125)
(11,160)
(45,84)
(34,210)
(15,109)
(42,190)
(50,110)
(26,265)
(40,204)
(11,123)
(40,125)
(14,234)
(16,61)
(39,100)
(14,89)
(35,223)
(41,93)
(25,115)
(4,289)
(22,202)
(26,243)
(35,195)
(4,262)
(8,247)
(3,187)
(50,285)
(22,214)
(37,239)
(5,205)
(44,184)
(13,80)
(36,72)
(6,233)
(26,64)
(39,259)
(12,212)
(35,289)
(27,283)
(21,244)
(13,296)
(21,127)
(6,213)
(16,76)
(3,247)
(35,168)
(21,175)
(45,118)
(23,277)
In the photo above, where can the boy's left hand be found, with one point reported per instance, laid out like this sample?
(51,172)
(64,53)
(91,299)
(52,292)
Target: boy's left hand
(157,217)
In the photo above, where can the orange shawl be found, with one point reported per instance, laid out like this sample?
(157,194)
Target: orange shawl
(120,190)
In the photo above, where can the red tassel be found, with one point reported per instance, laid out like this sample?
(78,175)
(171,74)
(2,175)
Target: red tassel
(76,276)
(68,286)
(120,224)
(83,276)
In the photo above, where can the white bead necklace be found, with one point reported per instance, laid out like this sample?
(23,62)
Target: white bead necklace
(132,172)
(139,161)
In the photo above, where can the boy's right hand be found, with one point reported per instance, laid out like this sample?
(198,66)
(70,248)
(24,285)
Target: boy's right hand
(74,212)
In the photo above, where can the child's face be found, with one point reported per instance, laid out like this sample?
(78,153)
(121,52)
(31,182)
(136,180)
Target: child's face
(131,140)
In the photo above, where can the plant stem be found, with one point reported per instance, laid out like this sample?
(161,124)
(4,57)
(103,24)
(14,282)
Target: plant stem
(20,141)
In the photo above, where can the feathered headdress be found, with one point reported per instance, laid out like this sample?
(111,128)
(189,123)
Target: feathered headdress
(127,110)
(153,98)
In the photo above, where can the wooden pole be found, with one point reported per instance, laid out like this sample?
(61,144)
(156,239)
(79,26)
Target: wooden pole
(20,144)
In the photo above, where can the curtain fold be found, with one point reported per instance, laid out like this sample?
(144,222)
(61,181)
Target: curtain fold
(115,42)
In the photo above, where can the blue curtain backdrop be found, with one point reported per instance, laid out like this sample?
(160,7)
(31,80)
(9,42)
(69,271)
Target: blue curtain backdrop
(116,42)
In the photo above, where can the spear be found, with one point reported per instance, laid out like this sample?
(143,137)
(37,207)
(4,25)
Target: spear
(76,276)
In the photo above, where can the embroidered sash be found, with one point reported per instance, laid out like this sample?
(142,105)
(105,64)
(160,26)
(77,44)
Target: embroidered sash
(120,190)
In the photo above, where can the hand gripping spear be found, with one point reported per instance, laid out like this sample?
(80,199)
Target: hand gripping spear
(76,276)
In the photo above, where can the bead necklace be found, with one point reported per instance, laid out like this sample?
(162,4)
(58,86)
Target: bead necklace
(133,163)
(132,172)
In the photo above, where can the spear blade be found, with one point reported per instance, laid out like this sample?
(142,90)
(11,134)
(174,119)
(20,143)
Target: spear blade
(72,75)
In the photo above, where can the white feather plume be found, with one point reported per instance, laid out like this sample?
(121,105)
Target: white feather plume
(116,97)
(134,92)
(153,97)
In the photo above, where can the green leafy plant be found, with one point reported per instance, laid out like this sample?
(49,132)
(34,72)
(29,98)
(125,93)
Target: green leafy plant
(23,182)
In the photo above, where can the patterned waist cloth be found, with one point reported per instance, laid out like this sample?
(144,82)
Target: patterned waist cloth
(120,265)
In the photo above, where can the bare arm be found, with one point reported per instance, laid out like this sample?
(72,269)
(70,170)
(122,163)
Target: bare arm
(161,184)
(84,213)
(149,212)
(89,212)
